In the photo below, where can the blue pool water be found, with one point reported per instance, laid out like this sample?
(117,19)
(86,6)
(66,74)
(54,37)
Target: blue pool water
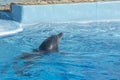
(92,52)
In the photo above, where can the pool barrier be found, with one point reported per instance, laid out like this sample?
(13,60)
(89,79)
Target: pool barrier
(66,12)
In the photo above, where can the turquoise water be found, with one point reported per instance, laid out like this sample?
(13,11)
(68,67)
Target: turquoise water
(92,52)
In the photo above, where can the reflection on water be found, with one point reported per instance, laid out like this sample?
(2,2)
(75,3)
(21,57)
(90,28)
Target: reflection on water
(92,53)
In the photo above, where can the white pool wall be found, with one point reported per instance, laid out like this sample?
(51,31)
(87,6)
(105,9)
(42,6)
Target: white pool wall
(92,11)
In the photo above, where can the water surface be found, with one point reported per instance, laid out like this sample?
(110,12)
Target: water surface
(92,52)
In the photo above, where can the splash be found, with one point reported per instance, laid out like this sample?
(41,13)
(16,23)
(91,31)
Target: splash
(9,27)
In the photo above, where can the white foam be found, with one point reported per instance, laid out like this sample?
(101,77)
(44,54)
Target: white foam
(11,32)
(81,22)
(86,21)
(8,27)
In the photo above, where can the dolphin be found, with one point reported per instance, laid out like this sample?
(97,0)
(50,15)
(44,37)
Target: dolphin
(49,45)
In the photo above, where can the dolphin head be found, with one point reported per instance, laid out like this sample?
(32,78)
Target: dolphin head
(51,44)
(60,36)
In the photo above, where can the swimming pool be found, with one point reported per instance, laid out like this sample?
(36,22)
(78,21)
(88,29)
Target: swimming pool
(92,52)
